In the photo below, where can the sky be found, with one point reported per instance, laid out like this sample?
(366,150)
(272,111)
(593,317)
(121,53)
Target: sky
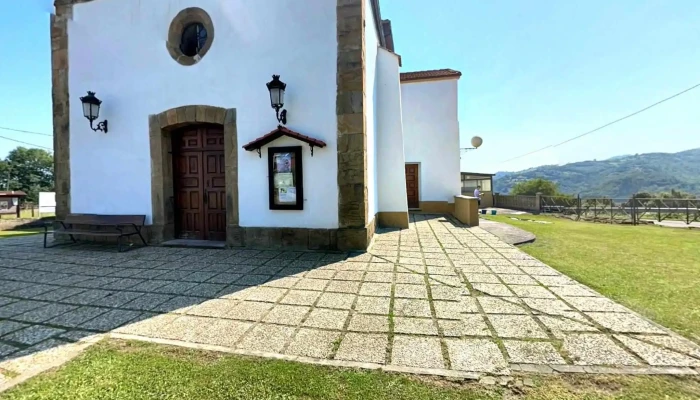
(535,73)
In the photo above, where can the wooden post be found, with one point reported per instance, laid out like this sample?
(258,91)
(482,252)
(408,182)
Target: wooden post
(611,210)
(538,202)
(578,207)
(18,207)
(595,210)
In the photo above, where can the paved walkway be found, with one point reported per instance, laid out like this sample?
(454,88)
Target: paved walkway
(677,224)
(507,233)
(436,298)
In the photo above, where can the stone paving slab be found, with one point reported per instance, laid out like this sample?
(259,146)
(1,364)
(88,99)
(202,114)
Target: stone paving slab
(437,298)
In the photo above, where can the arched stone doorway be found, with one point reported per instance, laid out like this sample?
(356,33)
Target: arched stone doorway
(162,188)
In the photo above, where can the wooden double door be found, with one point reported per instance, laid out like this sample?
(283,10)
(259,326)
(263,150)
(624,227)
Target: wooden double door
(199,183)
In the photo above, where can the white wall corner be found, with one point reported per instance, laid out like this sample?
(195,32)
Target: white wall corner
(391,177)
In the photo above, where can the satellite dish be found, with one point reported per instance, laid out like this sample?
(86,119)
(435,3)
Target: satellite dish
(477,142)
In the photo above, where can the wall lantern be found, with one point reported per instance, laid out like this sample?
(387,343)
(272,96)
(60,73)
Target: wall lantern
(476,143)
(276,88)
(91,111)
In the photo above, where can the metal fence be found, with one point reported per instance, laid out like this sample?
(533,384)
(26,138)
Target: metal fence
(634,210)
(604,209)
(522,203)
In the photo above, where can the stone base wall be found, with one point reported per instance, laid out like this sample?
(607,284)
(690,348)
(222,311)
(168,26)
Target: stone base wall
(397,219)
(437,207)
(288,238)
(467,210)
(270,238)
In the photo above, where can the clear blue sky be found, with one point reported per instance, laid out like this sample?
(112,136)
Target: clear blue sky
(534,73)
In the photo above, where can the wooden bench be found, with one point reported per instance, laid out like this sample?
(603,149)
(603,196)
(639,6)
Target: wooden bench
(99,225)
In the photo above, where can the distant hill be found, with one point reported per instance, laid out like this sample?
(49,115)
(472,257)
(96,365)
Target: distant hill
(620,176)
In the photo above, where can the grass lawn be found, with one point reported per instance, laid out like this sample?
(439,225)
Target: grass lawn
(652,270)
(8,234)
(132,370)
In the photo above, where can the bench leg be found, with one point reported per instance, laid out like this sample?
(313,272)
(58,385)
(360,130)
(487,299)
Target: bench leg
(141,236)
(119,244)
(45,235)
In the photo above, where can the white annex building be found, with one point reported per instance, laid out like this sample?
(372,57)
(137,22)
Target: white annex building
(180,126)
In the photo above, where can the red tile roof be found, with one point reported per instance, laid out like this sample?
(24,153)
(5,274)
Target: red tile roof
(431,74)
(17,193)
(279,132)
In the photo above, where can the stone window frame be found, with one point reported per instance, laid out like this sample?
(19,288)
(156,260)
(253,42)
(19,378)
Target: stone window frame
(184,18)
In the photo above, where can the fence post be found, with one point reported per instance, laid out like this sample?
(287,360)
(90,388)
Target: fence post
(538,201)
(687,213)
(595,210)
(578,207)
(634,213)
(612,204)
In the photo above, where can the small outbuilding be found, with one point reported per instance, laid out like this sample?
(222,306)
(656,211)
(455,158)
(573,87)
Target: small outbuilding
(472,180)
(9,202)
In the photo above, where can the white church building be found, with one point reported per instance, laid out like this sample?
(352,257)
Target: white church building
(187,125)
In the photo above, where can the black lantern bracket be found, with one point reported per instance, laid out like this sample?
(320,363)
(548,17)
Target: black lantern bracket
(91,111)
(281,116)
(101,126)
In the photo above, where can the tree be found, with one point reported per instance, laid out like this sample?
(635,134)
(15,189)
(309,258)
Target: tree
(4,177)
(534,186)
(29,170)
(676,194)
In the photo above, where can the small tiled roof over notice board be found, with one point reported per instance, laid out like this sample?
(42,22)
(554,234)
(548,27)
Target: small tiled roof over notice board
(279,132)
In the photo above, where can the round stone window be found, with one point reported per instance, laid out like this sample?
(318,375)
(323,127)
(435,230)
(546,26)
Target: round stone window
(190,36)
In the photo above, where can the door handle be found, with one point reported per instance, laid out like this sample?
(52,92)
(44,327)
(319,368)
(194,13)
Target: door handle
(206,198)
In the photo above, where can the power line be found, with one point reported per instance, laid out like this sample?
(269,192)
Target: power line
(606,125)
(29,144)
(21,131)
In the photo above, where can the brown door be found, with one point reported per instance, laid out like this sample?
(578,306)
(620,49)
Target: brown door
(198,171)
(412,185)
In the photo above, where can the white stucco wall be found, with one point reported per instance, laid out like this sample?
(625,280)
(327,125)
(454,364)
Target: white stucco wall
(391,177)
(117,49)
(371,46)
(431,136)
